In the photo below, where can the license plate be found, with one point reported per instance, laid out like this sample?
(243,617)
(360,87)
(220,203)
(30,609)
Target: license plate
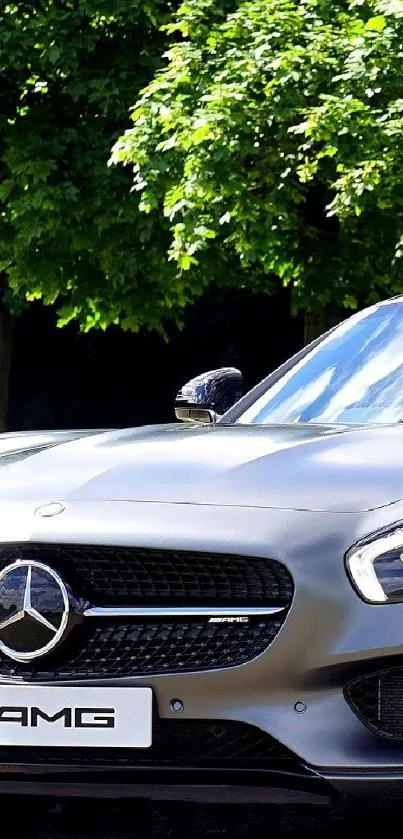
(70,716)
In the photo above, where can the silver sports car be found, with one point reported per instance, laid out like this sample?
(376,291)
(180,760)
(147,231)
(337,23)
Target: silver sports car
(214,610)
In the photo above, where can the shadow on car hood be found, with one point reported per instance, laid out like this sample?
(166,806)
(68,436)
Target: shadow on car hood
(300,467)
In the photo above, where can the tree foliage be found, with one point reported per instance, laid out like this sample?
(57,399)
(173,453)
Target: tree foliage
(271,143)
(70,232)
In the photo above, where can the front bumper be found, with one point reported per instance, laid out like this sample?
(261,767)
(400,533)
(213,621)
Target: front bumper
(293,692)
(296,785)
(199,787)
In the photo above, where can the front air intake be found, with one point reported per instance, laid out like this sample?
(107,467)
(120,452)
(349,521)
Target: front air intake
(377,700)
(126,627)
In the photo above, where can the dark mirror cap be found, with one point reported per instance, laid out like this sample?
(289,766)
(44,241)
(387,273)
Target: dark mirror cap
(216,391)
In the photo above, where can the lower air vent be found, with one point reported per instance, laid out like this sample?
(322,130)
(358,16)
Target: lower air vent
(184,743)
(378,701)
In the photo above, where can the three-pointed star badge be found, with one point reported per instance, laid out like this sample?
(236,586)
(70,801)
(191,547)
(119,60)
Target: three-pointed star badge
(28,609)
(34,609)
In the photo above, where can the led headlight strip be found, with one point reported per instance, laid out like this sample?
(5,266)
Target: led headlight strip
(376,567)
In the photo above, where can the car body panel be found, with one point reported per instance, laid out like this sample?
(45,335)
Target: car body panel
(19,445)
(17,440)
(291,467)
(328,632)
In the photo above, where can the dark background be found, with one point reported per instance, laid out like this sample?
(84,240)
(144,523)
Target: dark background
(61,378)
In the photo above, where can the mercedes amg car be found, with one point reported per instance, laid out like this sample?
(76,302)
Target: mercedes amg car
(212,610)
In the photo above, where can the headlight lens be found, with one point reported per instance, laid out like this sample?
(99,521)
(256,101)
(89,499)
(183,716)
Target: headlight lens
(375,566)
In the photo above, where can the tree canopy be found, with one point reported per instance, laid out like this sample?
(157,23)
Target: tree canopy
(271,145)
(70,232)
(266,146)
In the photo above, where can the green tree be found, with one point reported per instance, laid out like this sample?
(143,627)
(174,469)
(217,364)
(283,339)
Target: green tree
(70,232)
(271,143)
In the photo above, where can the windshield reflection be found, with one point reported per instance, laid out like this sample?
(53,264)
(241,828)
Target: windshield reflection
(354,376)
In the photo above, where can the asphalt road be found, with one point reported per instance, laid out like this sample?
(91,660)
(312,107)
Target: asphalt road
(43,819)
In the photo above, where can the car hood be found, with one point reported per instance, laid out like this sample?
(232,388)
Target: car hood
(300,467)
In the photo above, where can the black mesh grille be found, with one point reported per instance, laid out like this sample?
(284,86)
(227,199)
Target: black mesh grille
(102,648)
(378,701)
(109,576)
(179,743)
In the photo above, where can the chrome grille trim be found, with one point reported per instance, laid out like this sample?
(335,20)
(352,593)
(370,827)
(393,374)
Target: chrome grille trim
(181,611)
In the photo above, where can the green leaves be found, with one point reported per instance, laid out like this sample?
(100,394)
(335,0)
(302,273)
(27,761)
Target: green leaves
(265,145)
(376,24)
(277,128)
(70,232)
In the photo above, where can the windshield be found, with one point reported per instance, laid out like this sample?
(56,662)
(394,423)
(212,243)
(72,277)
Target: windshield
(355,375)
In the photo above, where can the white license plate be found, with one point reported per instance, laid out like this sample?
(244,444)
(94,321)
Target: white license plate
(70,716)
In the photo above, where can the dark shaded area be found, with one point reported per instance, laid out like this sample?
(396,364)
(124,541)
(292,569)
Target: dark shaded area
(62,378)
(44,819)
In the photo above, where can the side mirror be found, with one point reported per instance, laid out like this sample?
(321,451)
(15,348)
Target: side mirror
(207,397)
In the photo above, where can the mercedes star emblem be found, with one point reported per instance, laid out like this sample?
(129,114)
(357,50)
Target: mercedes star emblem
(34,610)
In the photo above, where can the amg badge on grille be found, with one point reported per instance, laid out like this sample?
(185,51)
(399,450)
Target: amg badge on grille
(229,619)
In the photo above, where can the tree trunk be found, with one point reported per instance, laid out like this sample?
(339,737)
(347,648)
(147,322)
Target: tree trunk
(6,340)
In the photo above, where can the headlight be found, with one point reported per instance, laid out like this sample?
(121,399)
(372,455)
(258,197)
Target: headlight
(375,566)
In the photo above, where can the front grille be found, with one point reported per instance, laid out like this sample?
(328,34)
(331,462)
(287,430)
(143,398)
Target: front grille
(109,576)
(104,648)
(179,743)
(130,577)
(377,700)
